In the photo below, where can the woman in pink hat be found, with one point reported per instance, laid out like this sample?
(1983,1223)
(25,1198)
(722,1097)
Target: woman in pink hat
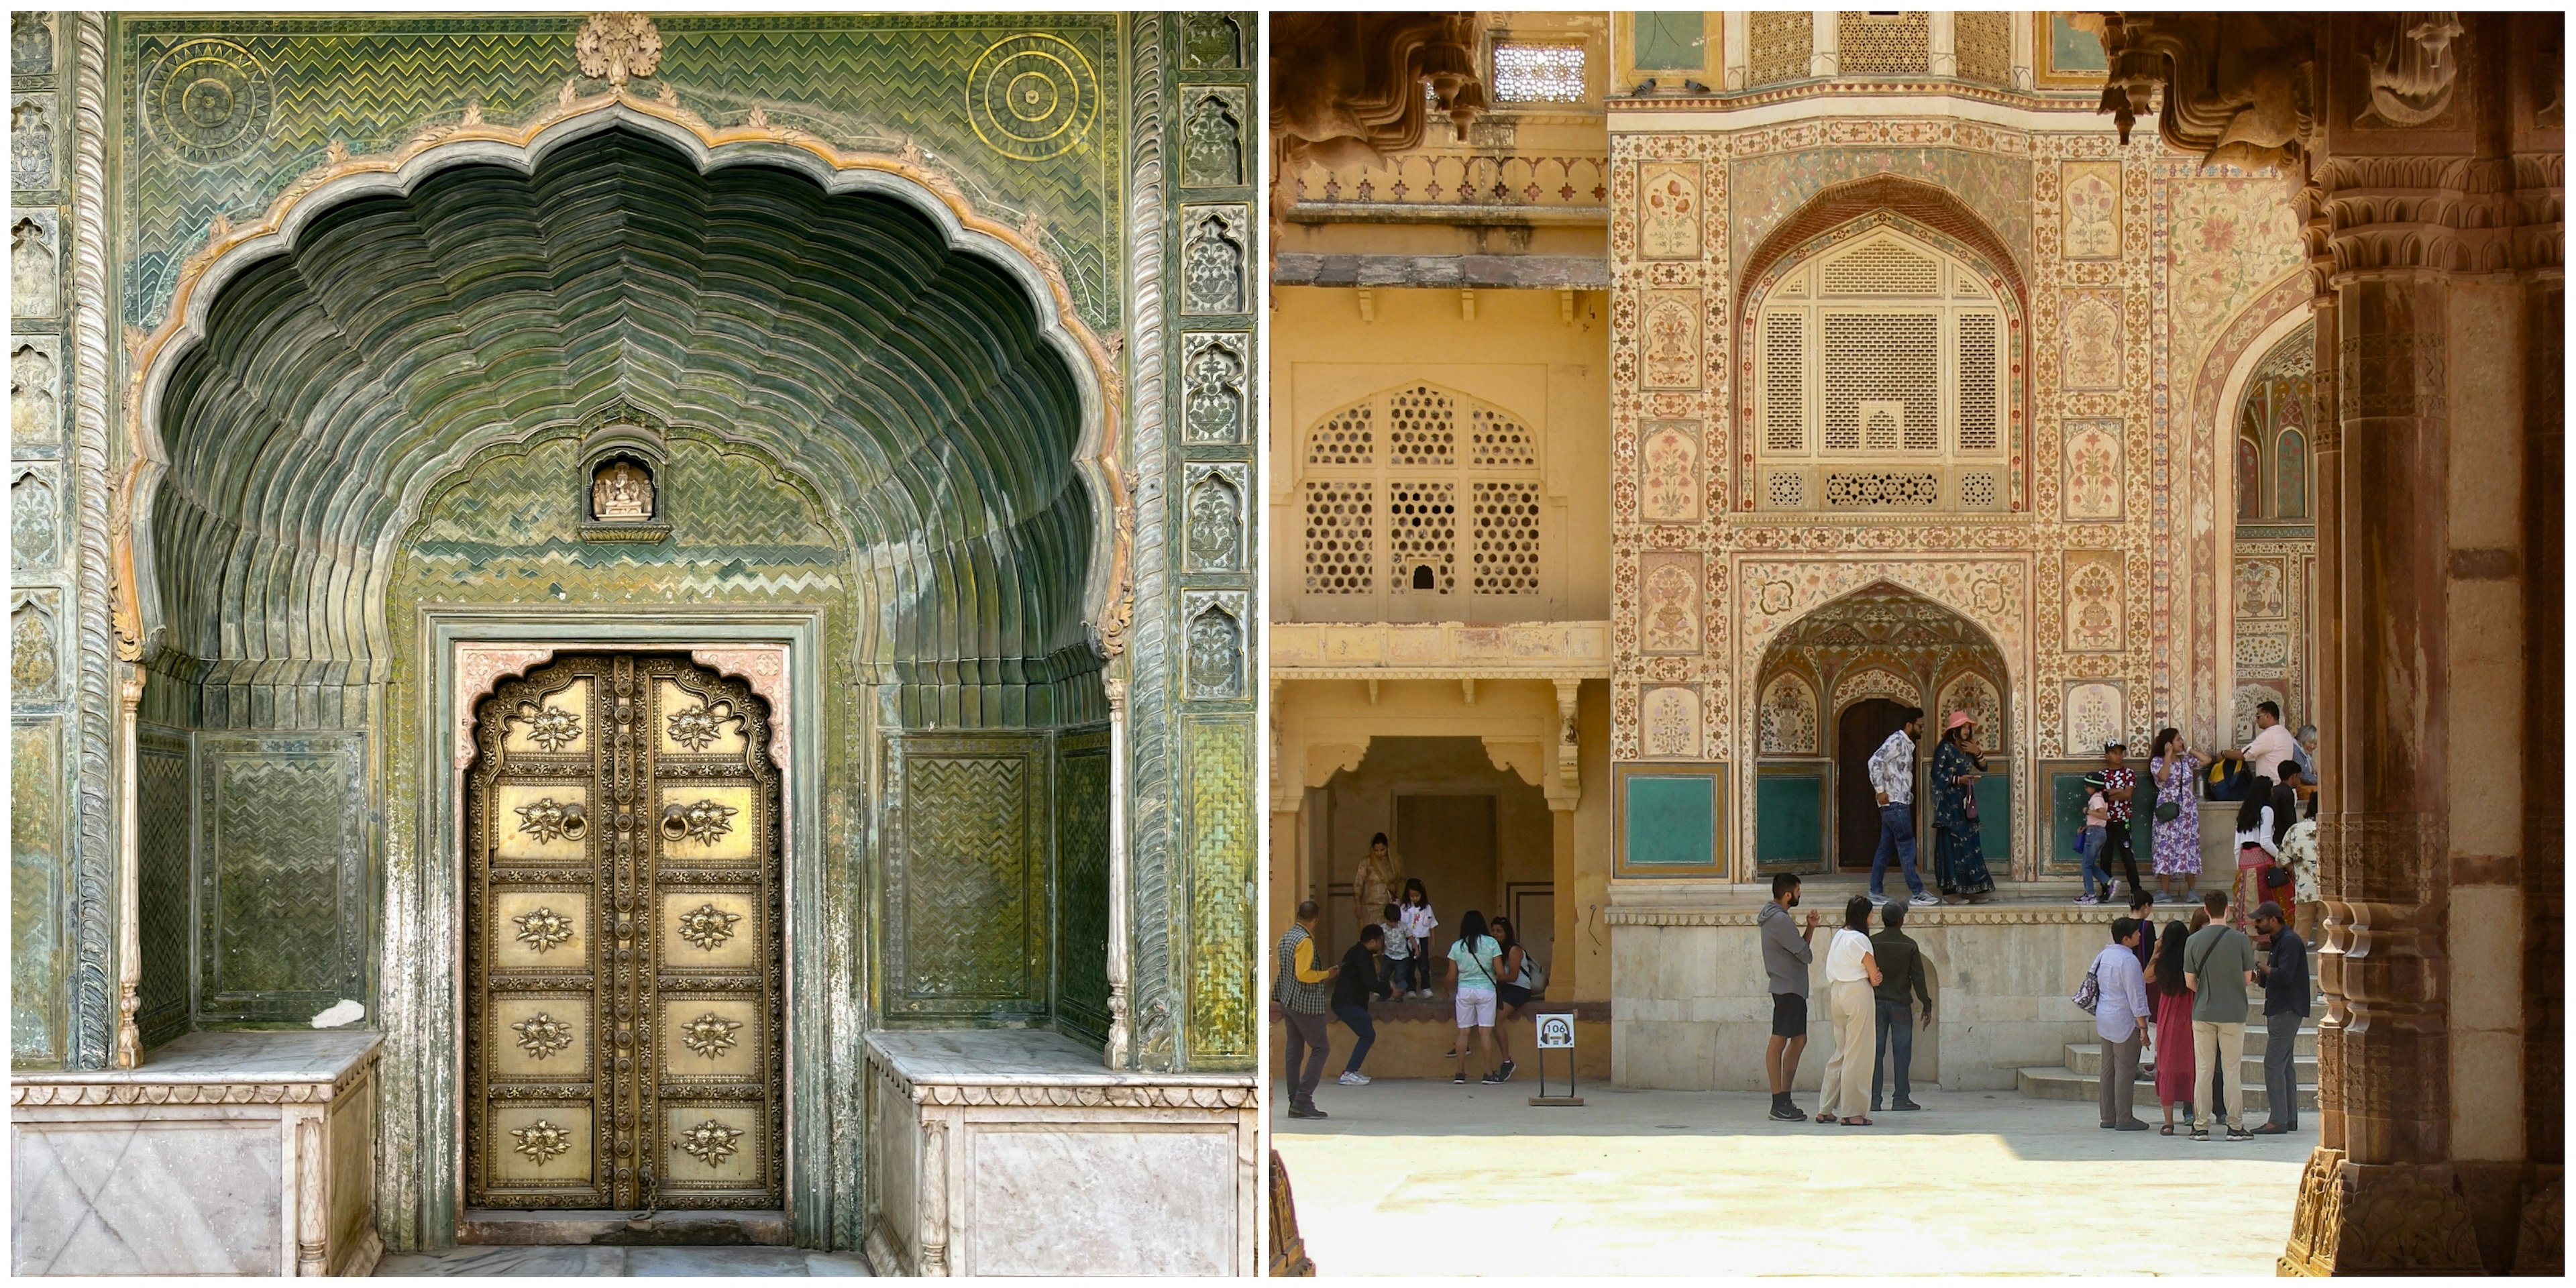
(1958,844)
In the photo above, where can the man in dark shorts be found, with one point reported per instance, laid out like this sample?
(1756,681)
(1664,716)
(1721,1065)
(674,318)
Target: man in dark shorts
(1786,956)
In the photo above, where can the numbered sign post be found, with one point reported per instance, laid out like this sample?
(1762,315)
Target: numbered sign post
(1556,1033)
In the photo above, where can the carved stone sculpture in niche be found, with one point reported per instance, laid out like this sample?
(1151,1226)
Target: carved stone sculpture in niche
(1212,262)
(1211,40)
(33,663)
(1213,373)
(1216,653)
(1212,149)
(31,144)
(1216,524)
(34,416)
(33,519)
(31,43)
(2411,68)
(621,491)
(32,271)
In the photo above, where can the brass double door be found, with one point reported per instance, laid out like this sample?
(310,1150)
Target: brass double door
(623,941)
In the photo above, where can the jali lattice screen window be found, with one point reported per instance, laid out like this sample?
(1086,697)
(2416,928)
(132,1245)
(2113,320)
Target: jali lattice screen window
(1422,504)
(1881,382)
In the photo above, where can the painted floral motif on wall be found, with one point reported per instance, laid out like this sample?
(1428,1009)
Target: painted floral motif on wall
(2096,712)
(2092,339)
(2090,201)
(1671,721)
(1972,694)
(1874,682)
(2231,239)
(2093,469)
(1671,345)
(1788,717)
(1668,211)
(2093,601)
(2261,588)
(1670,489)
(1669,616)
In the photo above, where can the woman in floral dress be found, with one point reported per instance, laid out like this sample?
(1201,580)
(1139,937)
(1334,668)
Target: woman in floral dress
(1959,851)
(2177,854)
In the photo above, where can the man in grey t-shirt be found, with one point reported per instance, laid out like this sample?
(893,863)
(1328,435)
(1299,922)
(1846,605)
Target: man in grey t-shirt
(1786,955)
(2217,965)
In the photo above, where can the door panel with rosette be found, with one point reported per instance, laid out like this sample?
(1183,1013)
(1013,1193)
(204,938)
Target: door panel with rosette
(623,950)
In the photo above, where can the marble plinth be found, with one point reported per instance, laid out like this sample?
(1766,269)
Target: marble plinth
(1692,1006)
(224,1153)
(973,1135)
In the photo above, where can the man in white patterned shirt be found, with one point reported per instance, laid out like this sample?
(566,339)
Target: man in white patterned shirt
(1891,777)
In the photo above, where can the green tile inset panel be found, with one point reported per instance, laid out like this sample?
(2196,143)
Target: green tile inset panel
(165,878)
(968,897)
(1216,755)
(1667,820)
(36,983)
(1994,817)
(282,887)
(1082,883)
(1671,41)
(2064,820)
(1790,807)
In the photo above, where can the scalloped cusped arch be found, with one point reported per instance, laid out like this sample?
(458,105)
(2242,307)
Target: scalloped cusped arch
(911,382)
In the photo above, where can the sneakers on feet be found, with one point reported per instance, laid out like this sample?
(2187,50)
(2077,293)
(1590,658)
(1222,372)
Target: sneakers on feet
(1458,1078)
(1306,1111)
(1504,1073)
(1355,1080)
(1877,900)
(2085,901)
(1905,1105)
(1788,1113)
(2237,1134)
(1490,1077)
(1924,901)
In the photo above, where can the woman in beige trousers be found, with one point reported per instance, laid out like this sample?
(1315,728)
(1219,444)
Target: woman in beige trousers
(1851,981)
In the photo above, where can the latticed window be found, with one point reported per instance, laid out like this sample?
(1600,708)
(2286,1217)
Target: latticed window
(1535,72)
(1779,43)
(1985,46)
(1884,42)
(1880,382)
(1422,504)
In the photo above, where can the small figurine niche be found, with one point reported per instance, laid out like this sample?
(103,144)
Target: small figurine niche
(624,500)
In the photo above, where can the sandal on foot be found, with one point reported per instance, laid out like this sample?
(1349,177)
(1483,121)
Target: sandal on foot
(1825,1118)
(2167,1130)
(1858,1122)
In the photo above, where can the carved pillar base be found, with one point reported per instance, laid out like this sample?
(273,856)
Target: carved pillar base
(2366,1219)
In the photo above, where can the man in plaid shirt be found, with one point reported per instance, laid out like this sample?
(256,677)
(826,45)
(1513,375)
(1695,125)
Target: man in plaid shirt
(1891,777)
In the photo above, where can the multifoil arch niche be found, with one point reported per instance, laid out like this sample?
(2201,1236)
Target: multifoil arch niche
(857,404)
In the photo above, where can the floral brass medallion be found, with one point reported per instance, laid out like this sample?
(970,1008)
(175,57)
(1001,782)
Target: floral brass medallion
(548,819)
(542,1035)
(709,1142)
(624,899)
(549,726)
(710,1035)
(696,727)
(707,926)
(704,822)
(543,928)
(542,1141)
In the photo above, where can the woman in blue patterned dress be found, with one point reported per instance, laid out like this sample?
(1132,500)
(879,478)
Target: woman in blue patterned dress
(2177,843)
(1959,850)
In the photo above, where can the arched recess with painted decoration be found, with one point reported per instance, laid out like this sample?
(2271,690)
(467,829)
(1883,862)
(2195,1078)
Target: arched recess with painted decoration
(1884,334)
(863,410)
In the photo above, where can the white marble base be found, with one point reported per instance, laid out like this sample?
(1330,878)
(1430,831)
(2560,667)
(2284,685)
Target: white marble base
(225,1153)
(1013,1152)
(1691,1006)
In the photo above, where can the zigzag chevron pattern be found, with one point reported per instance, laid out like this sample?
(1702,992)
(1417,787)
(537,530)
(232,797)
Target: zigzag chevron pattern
(859,80)
(969,915)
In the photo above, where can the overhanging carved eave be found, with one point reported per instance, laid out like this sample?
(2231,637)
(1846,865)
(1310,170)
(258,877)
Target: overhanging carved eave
(1439,651)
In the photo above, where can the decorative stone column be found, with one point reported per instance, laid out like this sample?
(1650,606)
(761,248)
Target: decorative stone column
(2431,152)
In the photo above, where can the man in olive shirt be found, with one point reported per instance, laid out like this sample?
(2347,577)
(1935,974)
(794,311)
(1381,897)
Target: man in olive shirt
(1901,979)
(2218,965)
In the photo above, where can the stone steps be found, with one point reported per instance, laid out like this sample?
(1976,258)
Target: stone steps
(2057,1082)
(2080,1077)
(2086,1058)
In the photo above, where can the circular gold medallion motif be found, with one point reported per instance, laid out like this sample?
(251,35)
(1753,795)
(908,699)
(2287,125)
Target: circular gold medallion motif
(1032,96)
(208,100)
(709,1142)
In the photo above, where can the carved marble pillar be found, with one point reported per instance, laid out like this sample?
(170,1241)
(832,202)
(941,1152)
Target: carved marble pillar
(1117,1052)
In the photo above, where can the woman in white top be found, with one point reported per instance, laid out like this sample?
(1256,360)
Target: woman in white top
(1851,981)
(2255,850)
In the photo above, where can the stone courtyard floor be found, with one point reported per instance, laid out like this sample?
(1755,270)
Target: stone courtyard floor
(1428,1178)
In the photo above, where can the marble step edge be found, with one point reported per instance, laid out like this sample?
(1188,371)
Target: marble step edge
(2085,1059)
(2053,1082)
(502,1227)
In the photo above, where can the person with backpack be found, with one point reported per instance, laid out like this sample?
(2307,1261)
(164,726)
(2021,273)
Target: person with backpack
(2218,967)
(1521,976)
(2115,991)
(1475,961)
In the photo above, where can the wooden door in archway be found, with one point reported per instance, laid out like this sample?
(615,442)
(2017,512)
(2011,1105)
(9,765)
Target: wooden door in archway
(623,949)
(1858,731)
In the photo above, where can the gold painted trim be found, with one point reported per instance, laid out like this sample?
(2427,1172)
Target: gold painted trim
(1109,616)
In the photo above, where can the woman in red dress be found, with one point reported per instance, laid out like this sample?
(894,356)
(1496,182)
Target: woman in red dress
(2172,1004)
